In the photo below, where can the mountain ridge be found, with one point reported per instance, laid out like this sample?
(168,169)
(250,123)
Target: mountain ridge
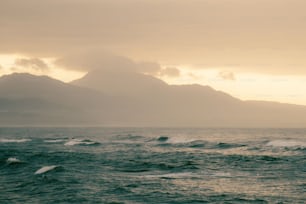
(26,99)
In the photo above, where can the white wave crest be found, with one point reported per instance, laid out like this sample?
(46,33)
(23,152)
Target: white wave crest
(45,169)
(13,160)
(14,140)
(286,143)
(54,141)
(181,140)
(79,142)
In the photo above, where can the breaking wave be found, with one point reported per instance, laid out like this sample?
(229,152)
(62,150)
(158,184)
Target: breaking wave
(173,166)
(80,142)
(45,169)
(14,140)
(54,140)
(286,143)
(13,160)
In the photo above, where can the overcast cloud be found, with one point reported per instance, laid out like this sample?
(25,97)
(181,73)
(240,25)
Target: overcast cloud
(227,75)
(263,36)
(170,72)
(32,63)
(100,60)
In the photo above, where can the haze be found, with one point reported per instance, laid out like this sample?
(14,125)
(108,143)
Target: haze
(252,50)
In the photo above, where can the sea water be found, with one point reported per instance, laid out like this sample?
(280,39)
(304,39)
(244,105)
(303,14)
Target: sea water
(152,165)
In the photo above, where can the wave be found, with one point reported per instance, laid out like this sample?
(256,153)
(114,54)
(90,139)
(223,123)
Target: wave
(165,141)
(176,141)
(179,140)
(286,143)
(144,166)
(14,140)
(54,140)
(222,174)
(223,145)
(45,169)
(128,137)
(13,160)
(189,175)
(171,175)
(162,138)
(80,142)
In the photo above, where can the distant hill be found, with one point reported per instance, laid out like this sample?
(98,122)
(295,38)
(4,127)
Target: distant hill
(111,98)
(39,100)
(150,101)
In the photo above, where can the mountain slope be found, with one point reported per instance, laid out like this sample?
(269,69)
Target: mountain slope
(27,99)
(120,83)
(133,99)
(149,101)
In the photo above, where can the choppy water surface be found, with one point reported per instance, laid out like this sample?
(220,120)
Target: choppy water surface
(146,165)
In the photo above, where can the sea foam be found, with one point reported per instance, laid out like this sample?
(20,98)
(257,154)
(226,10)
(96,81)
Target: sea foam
(14,140)
(54,141)
(79,142)
(45,169)
(13,160)
(286,143)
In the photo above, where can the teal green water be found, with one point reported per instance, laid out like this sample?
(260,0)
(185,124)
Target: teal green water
(151,165)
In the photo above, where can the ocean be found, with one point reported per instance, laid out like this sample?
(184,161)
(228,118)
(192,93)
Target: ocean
(152,165)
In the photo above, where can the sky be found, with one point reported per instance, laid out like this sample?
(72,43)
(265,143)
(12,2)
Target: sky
(253,50)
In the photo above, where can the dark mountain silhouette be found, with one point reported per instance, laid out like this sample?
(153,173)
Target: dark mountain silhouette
(149,100)
(113,98)
(121,83)
(29,100)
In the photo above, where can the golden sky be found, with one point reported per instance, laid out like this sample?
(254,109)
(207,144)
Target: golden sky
(250,49)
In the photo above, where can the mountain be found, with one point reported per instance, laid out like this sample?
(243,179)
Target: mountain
(149,101)
(111,98)
(121,83)
(39,100)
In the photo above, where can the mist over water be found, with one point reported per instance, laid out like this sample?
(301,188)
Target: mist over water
(152,165)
